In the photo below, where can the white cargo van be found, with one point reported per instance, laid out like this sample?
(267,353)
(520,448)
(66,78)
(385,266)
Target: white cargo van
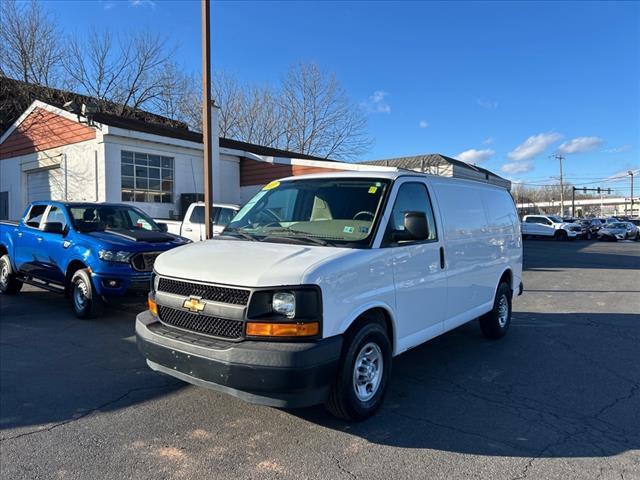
(320,280)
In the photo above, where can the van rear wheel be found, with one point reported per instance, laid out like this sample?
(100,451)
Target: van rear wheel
(495,324)
(361,383)
(9,284)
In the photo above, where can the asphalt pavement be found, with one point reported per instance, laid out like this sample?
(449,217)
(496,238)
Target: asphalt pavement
(558,398)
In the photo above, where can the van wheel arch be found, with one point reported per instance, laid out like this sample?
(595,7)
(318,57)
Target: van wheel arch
(506,277)
(377,315)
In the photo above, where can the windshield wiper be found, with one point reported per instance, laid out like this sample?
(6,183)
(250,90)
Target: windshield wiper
(236,231)
(299,235)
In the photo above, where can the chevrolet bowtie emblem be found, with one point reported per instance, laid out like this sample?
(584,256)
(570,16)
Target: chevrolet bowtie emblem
(193,304)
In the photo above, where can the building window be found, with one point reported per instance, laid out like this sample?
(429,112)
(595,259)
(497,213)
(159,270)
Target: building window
(146,177)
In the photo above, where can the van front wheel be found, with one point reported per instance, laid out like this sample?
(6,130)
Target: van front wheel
(496,323)
(361,382)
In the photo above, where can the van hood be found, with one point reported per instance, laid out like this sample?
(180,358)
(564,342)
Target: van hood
(244,263)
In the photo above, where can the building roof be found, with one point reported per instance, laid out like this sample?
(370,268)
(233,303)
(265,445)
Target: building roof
(16,97)
(421,162)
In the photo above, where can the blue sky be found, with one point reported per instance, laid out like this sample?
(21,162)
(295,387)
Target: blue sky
(504,84)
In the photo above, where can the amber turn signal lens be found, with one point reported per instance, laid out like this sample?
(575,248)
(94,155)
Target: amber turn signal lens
(153,308)
(282,329)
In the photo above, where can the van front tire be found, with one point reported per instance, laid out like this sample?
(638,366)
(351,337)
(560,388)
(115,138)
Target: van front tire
(495,324)
(361,382)
(85,300)
(9,284)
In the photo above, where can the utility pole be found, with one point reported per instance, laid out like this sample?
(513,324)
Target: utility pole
(206,114)
(631,175)
(560,158)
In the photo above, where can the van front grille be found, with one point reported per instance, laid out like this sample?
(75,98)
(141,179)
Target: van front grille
(233,296)
(205,324)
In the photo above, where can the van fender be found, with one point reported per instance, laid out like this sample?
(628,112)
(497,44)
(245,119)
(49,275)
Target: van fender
(355,314)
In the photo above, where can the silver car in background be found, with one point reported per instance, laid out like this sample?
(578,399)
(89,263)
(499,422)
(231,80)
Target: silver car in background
(619,231)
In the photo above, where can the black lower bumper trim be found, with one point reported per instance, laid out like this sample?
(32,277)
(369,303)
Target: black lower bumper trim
(269,374)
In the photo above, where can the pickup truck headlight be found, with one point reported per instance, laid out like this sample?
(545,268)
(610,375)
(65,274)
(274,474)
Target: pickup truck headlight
(114,256)
(284,303)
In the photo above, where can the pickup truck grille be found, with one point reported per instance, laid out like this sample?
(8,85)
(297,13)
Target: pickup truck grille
(143,262)
(193,322)
(233,296)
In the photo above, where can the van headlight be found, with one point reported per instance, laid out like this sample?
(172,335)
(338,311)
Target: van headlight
(284,303)
(119,256)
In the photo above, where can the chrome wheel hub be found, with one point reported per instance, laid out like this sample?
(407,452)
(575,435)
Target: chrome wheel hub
(367,371)
(503,311)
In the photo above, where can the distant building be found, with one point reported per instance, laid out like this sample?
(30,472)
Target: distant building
(438,164)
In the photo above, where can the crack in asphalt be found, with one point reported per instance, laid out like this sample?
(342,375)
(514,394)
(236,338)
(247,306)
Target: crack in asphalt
(89,412)
(342,468)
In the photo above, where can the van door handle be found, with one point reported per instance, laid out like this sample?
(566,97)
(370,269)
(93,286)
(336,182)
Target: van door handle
(442,257)
(187,229)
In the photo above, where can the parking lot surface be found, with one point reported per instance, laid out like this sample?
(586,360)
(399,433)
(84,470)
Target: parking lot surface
(559,397)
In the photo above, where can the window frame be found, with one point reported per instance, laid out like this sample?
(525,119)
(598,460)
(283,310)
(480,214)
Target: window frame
(386,234)
(45,219)
(147,193)
(43,216)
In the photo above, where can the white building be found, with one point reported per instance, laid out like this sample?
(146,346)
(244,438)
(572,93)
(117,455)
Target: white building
(50,153)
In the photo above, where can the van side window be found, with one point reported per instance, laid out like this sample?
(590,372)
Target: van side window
(412,197)
(34,216)
(56,215)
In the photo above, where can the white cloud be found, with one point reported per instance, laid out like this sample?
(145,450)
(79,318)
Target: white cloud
(514,168)
(423,124)
(533,146)
(488,141)
(580,145)
(142,3)
(376,103)
(488,104)
(475,156)
(620,149)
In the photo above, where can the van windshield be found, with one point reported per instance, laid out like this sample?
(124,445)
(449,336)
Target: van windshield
(324,211)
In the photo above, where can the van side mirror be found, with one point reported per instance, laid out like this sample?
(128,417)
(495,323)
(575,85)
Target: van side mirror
(53,227)
(416,227)
(163,227)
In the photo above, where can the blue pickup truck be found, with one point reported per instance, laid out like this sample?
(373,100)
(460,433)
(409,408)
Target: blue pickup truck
(89,251)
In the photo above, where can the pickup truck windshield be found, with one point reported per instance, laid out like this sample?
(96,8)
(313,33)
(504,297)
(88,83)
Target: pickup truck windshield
(92,218)
(318,211)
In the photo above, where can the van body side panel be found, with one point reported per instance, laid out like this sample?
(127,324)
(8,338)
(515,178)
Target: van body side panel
(349,283)
(481,241)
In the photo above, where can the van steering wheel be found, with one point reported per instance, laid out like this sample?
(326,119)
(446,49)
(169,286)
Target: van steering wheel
(363,212)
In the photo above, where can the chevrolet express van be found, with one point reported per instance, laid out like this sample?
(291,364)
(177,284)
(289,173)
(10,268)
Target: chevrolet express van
(320,280)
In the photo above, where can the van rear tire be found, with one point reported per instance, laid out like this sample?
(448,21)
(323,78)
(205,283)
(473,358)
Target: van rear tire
(357,393)
(495,324)
(9,284)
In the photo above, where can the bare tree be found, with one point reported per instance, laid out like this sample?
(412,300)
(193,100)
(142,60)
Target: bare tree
(31,48)
(320,119)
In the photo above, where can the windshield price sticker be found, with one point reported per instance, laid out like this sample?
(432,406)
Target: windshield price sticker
(348,229)
(373,189)
(271,185)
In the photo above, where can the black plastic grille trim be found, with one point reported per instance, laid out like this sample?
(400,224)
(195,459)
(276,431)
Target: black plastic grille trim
(143,261)
(233,296)
(213,326)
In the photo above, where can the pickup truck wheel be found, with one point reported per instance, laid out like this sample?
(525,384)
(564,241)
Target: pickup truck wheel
(9,284)
(495,324)
(561,236)
(84,298)
(361,382)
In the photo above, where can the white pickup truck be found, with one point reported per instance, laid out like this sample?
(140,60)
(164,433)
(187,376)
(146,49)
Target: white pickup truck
(549,226)
(320,280)
(192,227)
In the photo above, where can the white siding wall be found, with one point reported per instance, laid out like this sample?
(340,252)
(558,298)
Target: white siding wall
(188,173)
(80,173)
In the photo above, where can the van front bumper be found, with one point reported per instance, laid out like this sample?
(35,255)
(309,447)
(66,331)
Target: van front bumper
(278,374)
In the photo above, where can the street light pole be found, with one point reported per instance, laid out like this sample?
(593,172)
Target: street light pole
(560,158)
(206,115)
(631,175)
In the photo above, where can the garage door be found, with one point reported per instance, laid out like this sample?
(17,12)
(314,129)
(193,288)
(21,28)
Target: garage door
(45,185)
